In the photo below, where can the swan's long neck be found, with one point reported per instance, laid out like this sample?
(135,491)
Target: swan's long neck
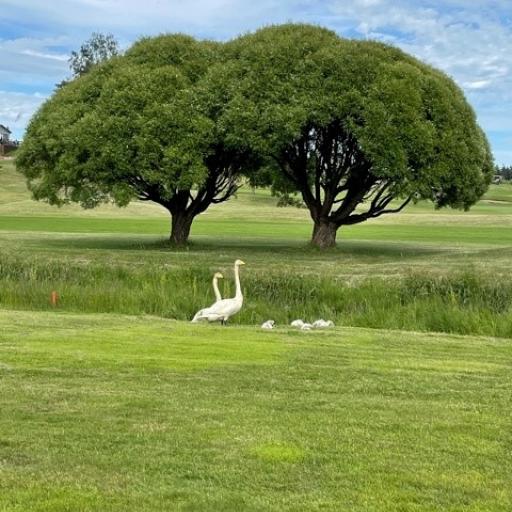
(238,291)
(216,289)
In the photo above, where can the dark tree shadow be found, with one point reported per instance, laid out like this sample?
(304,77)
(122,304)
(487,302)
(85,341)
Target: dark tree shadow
(285,247)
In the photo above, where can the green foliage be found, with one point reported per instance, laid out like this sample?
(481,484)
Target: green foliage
(138,126)
(350,122)
(117,133)
(288,200)
(177,121)
(193,58)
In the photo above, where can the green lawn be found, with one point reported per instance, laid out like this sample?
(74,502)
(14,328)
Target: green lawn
(252,227)
(265,229)
(106,412)
(119,261)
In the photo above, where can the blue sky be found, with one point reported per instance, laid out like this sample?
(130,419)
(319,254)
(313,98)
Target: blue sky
(471,40)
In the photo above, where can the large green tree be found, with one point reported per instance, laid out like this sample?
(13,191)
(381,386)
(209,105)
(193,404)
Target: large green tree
(139,126)
(358,128)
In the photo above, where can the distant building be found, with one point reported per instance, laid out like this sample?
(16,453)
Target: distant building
(6,144)
(4,134)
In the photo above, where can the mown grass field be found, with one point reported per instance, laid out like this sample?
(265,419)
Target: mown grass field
(250,226)
(112,402)
(105,412)
(457,264)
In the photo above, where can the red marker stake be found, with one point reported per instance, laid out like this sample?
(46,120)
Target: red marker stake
(54,299)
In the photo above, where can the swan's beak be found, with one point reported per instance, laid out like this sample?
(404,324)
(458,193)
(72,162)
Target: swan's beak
(241,262)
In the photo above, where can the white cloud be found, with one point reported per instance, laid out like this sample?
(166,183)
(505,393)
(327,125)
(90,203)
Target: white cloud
(29,70)
(477,84)
(31,61)
(133,18)
(16,109)
(51,56)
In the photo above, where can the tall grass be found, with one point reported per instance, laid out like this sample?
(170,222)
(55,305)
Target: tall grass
(466,303)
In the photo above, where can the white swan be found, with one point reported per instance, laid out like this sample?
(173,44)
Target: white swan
(223,309)
(317,324)
(269,324)
(215,285)
(322,324)
(216,291)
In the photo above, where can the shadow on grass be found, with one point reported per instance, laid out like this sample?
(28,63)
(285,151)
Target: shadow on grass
(207,244)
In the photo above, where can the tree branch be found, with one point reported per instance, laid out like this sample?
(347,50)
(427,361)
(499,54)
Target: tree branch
(355,219)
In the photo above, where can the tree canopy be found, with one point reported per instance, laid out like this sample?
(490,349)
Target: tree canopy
(359,128)
(135,127)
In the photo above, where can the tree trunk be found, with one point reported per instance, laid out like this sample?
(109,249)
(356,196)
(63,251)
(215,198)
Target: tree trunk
(180,228)
(324,235)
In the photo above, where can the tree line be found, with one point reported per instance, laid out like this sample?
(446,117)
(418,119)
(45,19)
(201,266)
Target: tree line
(358,129)
(505,171)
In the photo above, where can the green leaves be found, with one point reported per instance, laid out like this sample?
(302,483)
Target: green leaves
(353,124)
(129,125)
(175,120)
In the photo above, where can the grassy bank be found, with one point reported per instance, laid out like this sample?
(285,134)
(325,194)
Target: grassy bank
(465,303)
(110,413)
(422,269)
